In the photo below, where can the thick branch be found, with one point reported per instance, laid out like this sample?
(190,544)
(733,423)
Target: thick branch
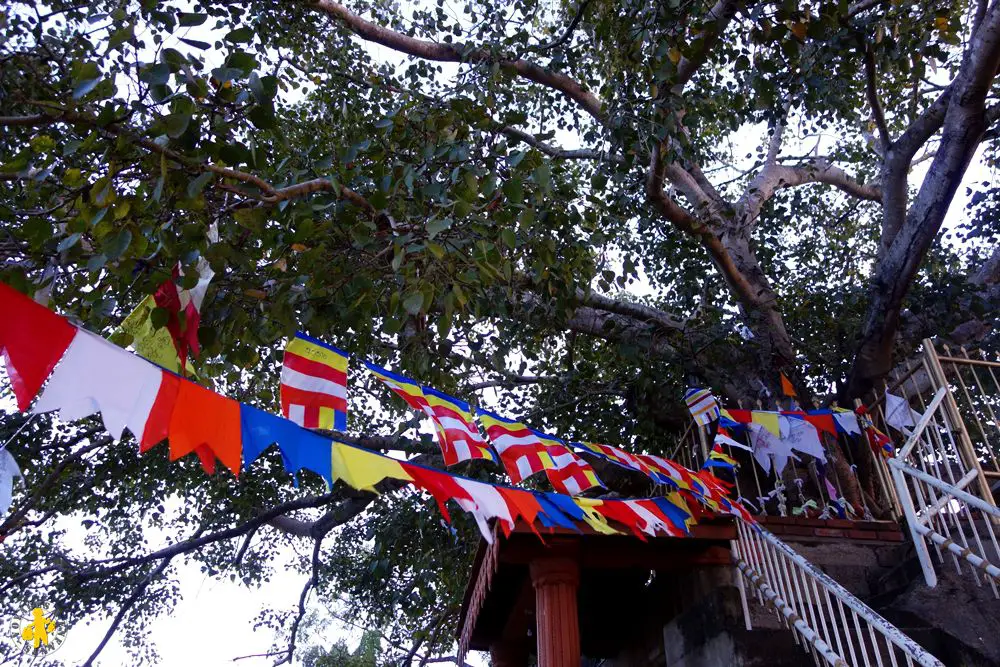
(774,177)
(459,53)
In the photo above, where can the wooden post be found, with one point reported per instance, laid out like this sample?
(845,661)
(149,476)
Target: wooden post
(556,580)
(950,406)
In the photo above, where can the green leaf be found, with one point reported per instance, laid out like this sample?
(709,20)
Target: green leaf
(240,35)
(189,19)
(195,43)
(68,242)
(436,226)
(159,317)
(96,263)
(508,238)
(262,116)
(84,87)
(118,244)
(198,184)
(176,124)
(514,191)
(413,303)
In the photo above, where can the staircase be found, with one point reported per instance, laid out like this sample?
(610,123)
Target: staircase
(941,600)
(832,626)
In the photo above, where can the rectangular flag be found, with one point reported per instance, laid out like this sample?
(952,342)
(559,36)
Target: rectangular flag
(615,455)
(314,384)
(569,473)
(405,388)
(702,405)
(458,434)
(521,452)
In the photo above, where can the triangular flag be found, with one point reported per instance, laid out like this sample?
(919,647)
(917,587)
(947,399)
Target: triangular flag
(786,387)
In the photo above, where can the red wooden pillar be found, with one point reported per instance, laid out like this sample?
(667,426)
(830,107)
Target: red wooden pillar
(555,580)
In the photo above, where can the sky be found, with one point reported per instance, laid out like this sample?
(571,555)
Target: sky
(213,623)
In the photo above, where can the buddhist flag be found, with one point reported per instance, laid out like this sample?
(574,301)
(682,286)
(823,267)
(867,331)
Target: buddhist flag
(521,452)
(314,384)
(457,433)
(569,473)
(702,405)
(404,387)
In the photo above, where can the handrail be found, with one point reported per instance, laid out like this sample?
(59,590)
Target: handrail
(806,599)
(943,514)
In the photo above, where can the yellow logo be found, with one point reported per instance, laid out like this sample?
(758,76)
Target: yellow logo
(37,632)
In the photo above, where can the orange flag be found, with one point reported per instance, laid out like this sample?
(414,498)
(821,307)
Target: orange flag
(786,387)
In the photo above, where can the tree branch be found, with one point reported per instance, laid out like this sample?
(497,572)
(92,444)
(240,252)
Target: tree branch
(460,53)
(871,76)
(555,152)
(569,30)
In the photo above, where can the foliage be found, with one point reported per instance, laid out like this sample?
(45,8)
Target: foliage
(482,225)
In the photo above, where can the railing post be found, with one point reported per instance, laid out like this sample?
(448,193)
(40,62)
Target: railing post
(954,417)
(923,553)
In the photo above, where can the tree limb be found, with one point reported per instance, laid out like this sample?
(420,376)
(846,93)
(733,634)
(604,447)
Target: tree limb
(871,77)
(460,53)
(569,30)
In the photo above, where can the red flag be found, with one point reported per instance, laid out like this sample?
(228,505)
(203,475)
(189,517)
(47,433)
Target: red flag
(32,339)
(176,301)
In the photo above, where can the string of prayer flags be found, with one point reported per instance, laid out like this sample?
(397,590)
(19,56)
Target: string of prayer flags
(207,424)
(408,390)
(879,442)
(846,422)
(615,455)
(314,384)
(122,387)
(702,405)
(156,405)
(362,469)
(822,420)
(719,459)
(768,420)
(300,449)
(9,471)
(723,437)
(153,343)
(457,433)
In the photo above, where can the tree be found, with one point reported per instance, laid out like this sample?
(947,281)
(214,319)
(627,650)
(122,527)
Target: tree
(475,199)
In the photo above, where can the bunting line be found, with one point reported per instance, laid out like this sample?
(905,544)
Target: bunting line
(156,405)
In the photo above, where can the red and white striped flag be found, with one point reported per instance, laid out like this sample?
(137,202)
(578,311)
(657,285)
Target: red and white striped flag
(314,384)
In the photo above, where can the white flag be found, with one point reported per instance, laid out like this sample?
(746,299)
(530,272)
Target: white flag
(898,413)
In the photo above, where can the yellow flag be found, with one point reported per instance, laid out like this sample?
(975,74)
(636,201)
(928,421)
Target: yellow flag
(594,518)
(151,343)
(362,470)
(768,420)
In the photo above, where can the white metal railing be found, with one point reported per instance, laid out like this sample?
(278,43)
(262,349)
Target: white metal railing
(830,623)
(950,520)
